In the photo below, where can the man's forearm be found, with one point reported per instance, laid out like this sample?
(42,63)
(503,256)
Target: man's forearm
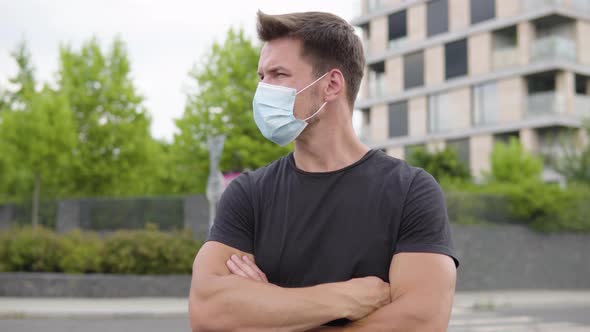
(228,303)
(401,315)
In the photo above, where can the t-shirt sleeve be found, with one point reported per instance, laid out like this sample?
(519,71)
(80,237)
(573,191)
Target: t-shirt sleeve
(425,224)
(234,220)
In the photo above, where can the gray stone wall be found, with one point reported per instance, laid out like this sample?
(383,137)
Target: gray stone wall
(514,257)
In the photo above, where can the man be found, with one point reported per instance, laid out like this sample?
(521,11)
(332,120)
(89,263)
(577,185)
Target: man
(334,236)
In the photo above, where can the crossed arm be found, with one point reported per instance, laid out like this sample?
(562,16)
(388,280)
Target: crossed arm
(235,296)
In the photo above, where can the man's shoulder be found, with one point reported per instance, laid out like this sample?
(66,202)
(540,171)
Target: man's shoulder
(392,167)
(257,176)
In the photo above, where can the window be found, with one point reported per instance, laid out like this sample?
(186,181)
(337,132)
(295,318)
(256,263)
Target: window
(485,104)
(413,70)
(440,116)
(482,10)
(397,25)
(456,59)
(437,17)
(462,148)
(377,80)
(398,119)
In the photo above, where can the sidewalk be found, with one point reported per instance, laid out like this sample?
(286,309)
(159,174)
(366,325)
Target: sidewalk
(178,307)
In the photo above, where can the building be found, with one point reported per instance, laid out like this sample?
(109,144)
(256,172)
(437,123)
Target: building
(469,73)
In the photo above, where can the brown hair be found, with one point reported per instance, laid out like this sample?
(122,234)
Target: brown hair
(328,42)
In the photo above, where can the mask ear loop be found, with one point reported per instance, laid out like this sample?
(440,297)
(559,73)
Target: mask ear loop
(319,110)
(312,83)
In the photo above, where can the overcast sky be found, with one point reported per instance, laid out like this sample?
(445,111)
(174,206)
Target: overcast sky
(164,38)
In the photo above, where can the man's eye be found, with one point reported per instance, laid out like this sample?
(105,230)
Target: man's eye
(281,74)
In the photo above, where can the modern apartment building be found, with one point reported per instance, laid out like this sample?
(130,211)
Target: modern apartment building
(469,73)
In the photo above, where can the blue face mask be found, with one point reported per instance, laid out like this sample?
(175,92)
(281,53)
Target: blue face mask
(273,112)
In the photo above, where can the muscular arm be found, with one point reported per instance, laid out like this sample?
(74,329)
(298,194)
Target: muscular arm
(422,290)
(222,301)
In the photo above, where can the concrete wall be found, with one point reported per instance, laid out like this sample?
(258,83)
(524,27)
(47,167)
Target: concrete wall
(416,23)
(459,15)
(479,53)
(434,65)
(583,41)
(417,116)
(526,34)
(378,41)
(394,76)
(511,93)
(397,152)
(480,150)
(379,123)
(513,257)
(507,8)
(460,102)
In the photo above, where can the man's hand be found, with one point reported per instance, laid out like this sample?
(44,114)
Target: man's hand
(246,268)
(368,294)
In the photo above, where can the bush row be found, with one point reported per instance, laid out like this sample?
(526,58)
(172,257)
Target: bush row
(147,251)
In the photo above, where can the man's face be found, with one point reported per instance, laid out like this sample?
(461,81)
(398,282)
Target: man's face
(281,64)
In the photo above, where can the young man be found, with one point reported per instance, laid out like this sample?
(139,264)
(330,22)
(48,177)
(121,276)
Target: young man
(334,236)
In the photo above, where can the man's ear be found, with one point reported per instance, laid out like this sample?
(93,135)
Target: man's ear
(336,85)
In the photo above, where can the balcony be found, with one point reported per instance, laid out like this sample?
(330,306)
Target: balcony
(581,5)
(530,5)
(582,106)
(377,86)
(545,103)
(505,58)
(553,48)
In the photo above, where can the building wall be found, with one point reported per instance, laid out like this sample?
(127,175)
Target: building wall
(529,140)
(461,103)
(458,15)
(397,152)
(507,8)
(417,116)
(583,41)
(434,59)
(379,123)
(479,53)
(565,84)
(526,34)
(511,93)
(416,18)
(394,75)
(378,41)
(480,151)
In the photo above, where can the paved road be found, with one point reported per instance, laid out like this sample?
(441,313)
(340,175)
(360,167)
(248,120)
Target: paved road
(538,319)
(533,319)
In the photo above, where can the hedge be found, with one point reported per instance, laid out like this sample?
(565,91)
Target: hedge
(146,251)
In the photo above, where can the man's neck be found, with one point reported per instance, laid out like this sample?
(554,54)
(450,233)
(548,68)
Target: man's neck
(328,149)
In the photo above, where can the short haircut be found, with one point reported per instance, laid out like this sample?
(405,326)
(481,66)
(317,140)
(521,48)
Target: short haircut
(328,42)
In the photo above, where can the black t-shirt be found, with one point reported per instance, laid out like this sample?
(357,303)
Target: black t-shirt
(308,228)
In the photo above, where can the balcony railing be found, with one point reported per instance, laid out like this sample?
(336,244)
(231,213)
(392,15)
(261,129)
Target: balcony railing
(377,86)
(545,103)
(528,5)
(582,106)
(504,58)
(553,48)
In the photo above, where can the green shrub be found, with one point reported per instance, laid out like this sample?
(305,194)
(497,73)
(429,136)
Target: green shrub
(147,251)
(510,163)
(33,250)
(82,252)
(442,165)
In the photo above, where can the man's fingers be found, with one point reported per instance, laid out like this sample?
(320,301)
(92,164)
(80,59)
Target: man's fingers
(235,269)
(255,268)
(246,268)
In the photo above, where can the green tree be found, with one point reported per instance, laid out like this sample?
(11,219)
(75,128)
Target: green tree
(575,163)
(37,137)
(221,103)
(510,163)
(442,165)
(115,153)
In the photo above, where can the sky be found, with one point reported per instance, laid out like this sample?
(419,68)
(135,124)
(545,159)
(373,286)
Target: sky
(165,39)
